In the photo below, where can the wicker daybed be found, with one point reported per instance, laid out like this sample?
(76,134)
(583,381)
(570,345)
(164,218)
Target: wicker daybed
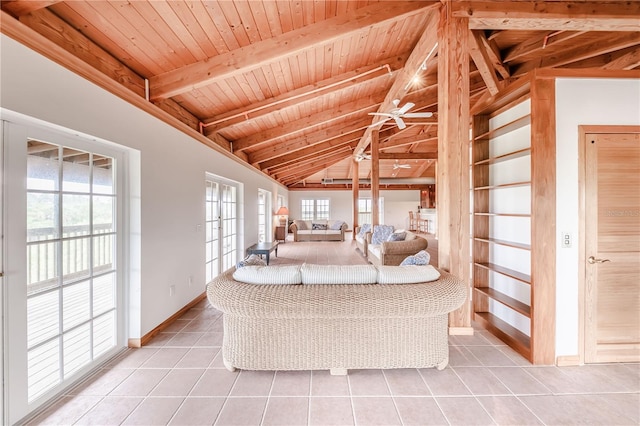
(335,326)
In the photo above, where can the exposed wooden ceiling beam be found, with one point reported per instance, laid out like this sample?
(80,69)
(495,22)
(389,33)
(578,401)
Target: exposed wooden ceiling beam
(19,8)
(480,56)
(408,156)
(616,41)
(308,168)
(575,15)
(427,45)
(285,160)
(320,119)
(537,44)
(308,140)
(267,51)
(385,67)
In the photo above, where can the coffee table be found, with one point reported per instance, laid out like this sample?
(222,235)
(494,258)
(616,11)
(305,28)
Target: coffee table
(264,248)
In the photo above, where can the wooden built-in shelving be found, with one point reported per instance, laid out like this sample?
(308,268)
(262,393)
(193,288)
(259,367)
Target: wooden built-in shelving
(500,288)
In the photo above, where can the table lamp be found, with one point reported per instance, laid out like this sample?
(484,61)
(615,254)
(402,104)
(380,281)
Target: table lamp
(283,212)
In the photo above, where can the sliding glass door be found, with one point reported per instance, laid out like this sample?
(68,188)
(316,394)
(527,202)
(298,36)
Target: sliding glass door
(63,288)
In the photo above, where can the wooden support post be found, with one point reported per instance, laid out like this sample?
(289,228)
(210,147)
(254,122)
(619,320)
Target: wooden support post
(453,156)
(355,183)
(375,177)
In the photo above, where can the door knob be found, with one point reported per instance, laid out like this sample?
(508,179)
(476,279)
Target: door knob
(593,260)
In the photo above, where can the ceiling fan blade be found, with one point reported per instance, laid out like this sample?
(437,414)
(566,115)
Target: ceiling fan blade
(418,115)
(400,123)
(384,114)
(406,107)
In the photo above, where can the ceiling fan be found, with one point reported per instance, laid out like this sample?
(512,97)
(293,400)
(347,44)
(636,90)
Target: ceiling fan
(362,156)
(397,166)
(398,113)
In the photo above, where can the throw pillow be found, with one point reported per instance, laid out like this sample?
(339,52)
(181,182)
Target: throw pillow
(420,258)
(381,233)
(319,227)
(338,274)
(252,260)
(397,236)
(274,274)
(364,229)
(301,225)
(336,225)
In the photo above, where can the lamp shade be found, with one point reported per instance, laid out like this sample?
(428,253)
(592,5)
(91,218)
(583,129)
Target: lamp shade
(283,211)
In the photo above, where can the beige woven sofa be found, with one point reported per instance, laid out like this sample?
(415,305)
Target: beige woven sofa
(335,326)
(303,230)
(389,252)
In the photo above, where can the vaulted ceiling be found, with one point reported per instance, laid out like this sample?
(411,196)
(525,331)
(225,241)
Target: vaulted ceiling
(289,86)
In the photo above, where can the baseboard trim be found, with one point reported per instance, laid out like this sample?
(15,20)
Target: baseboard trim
(140,342)
(461,331)
(567,360)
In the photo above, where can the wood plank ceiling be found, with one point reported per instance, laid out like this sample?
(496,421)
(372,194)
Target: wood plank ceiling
(288,86)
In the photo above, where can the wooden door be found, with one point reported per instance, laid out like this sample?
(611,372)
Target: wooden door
(612,247)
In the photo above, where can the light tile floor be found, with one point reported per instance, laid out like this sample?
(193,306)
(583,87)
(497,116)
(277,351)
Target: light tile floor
(179,379)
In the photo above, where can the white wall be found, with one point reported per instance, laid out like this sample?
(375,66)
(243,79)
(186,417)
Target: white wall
(171,175)
(580,102)
(396,204)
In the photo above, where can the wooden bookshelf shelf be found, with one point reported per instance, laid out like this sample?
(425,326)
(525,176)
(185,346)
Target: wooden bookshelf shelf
(507,128)
(504,243)
(501,186)
(508,301)
(503,214)
(505,157)
(515,338)
(519,276)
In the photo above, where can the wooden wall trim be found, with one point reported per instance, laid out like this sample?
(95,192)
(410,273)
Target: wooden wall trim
(137,343)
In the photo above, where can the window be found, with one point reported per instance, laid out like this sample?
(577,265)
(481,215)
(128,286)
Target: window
(221,227)
(365,210)
(315,209)
(263,204)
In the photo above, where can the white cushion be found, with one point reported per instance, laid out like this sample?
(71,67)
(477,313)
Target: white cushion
(373,250)
(275,274)
(407,274)
(338,274)
(410,236)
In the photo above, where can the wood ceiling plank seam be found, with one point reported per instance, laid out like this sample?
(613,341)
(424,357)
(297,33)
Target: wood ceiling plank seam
(319,11)
(341,56)
(297,65)
(287,73)
(50,26)
(257,89)
(342,7)
(248,21)
(87,21)
(165,32)
(226,90)
(261,78)
(220,22)
(234,22)
(629,60)
(180,17)
(310,67)
(584,51)
(327,59)
(331,8)
(260,18)
(297,15)
(398,37)
(272,16)
(122,14)
(308,13)
(201,13)
(357,55)
(284,12)
(250,57)
(240,90)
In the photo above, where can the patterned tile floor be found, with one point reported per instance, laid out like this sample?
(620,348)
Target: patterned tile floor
(179,379)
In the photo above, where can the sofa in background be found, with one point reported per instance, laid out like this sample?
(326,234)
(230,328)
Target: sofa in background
(318,230)
(388,252)
(333,324)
